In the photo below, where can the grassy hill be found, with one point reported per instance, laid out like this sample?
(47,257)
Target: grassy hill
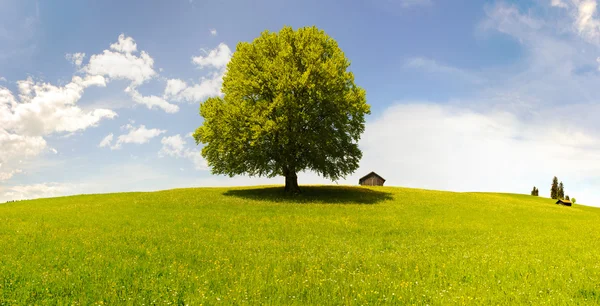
(330,245)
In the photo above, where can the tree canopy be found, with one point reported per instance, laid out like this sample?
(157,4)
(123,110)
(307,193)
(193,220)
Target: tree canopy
(290,104)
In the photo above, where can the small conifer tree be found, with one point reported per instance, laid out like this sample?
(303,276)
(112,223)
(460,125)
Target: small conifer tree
(554,189)
(561,191)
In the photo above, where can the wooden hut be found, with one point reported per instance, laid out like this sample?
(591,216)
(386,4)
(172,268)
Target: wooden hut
(371,179)
(564,202)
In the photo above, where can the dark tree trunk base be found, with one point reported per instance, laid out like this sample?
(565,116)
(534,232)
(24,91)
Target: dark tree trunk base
(291,183)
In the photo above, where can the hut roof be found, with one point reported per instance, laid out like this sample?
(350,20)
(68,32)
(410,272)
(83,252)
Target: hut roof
(564,201)
(370,174)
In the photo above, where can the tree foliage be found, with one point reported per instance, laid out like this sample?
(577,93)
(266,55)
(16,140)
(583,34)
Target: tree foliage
(535,191)
(554,188)
(290,104)
(561,191)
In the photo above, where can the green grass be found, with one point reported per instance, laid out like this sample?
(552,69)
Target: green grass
(330,245)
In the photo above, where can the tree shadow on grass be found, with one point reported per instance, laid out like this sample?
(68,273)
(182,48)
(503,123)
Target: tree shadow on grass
(313,195)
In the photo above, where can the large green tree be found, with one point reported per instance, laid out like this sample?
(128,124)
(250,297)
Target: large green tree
(290,104)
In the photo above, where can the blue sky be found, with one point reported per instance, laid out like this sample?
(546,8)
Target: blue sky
(465,95)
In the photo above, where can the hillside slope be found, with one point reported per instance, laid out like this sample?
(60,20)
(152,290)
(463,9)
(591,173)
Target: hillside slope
(330,245)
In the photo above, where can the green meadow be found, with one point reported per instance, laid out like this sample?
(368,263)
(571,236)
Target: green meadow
(328,245)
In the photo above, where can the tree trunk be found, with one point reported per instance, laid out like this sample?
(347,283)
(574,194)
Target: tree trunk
(291,183)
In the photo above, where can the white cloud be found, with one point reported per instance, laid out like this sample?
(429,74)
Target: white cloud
(7,175)
(106,141)
(124,45)
(507,19)
(75,58)
(172,146)
(151,101)
(139,135)
(178,90)
(174,87)
(176,146)
(3,79)
(122,66)
(558,3)
(585,20)
(25,192)
(213,32)
(587,24)
(16,146)
(217,58)
(45,109)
